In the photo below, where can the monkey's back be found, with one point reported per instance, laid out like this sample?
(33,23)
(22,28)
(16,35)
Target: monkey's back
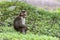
(17,22)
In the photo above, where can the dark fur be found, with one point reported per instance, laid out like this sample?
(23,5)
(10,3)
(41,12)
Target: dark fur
(18,26)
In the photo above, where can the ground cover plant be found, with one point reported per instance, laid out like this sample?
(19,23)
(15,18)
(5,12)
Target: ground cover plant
(45,24)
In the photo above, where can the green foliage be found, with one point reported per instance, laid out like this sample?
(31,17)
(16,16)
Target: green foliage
(42,21)
(7,33)
(15,36)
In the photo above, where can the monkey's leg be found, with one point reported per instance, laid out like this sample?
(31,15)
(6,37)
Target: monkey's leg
(23,31)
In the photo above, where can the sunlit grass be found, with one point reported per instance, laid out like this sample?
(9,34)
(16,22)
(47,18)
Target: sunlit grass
(8,33)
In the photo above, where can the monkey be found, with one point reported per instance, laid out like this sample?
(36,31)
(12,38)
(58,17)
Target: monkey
(19,22)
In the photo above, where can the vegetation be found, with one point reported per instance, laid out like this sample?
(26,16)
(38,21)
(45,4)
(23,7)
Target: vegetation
(12,36)
(45,24)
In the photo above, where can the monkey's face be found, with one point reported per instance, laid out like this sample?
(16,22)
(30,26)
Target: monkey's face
(23,14)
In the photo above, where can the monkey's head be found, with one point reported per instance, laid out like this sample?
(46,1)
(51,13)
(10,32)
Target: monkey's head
(23,13)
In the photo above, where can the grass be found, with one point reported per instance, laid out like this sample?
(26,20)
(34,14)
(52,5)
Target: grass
(8,33)
(17,36)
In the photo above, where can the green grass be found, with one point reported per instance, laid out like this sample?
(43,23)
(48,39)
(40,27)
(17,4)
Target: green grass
(17,36)
(8,33)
